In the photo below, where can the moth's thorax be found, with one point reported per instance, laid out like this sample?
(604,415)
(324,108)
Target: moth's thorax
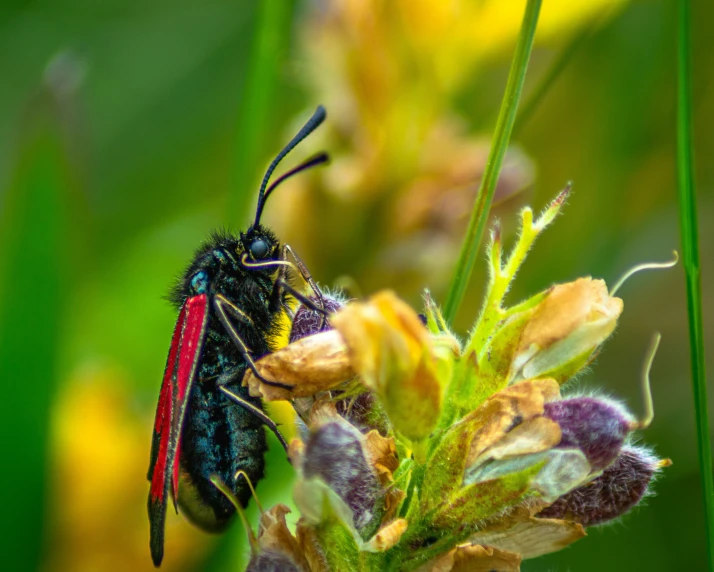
(226,265)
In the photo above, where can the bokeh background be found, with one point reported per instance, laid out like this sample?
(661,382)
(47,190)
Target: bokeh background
(129,130)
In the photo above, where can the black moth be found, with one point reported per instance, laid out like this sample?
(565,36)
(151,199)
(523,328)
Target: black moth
(230,299)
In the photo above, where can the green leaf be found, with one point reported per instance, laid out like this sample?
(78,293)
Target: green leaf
(33,255)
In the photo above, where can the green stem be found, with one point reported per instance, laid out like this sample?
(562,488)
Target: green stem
(502,135)
(271,35)
(690,254)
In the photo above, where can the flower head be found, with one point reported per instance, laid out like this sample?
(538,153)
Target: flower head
(421,450)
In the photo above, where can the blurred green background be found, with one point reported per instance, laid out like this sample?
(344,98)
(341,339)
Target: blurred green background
(129,130)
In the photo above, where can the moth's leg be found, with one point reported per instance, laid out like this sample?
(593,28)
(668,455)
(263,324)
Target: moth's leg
(304,272)
(253,410)
(280,286)
(242,473)
(233,310)
(307,277)
(285,286)
(223,306)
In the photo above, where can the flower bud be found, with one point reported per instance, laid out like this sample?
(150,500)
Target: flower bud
(363,411)
(620,487)
(308,321)
(271,561)
(566,328)
(335,455)
(595,425)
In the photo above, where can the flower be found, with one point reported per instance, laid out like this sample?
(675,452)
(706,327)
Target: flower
(419,451)
(565,329)
(392,353)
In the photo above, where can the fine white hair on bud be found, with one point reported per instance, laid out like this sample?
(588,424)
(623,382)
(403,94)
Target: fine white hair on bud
(308,320)
(335,455)
(620,487)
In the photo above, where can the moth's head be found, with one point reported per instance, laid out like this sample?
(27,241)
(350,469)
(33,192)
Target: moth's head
(257,246)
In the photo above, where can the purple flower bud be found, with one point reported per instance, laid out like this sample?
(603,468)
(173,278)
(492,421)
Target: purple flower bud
(363,411)
(334,454)
(620,487)
(596,426)
(307,321)
(271,561)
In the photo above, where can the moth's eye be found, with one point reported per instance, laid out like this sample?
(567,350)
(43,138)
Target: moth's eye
(259,249)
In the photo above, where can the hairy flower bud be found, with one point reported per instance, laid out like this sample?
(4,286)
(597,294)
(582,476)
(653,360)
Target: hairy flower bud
(334,454)
(596,426)
(271,561)
(620,487)
(308,321)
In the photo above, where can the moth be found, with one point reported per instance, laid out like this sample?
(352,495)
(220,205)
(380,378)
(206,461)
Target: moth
(231,302)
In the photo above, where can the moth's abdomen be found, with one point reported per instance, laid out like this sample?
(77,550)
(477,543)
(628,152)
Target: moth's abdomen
(222,439)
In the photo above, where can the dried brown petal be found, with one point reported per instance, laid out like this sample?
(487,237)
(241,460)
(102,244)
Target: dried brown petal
(568,324)
(529,536)
(310,365)
(392,499)
(310,547)
(481,430)
(474,558)
(508,409)
(322,411)
(295,451)
(382,454)
(276,538)
(386,537)
(532,436)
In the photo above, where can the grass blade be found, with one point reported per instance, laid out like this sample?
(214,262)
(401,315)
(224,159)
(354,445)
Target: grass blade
(33,276)
(501,137)
(690,254)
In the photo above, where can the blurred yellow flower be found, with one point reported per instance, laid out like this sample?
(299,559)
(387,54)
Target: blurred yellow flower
(101,453)
(390,73)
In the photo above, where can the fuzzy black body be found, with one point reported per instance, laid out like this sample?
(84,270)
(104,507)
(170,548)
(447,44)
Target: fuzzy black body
(219,437)
(231,302)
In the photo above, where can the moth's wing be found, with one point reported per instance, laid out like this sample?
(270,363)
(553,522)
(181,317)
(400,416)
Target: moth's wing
(179,375)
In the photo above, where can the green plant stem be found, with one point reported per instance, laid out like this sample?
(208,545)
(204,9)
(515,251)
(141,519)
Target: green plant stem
(271,35)
(501,137)
(690,254)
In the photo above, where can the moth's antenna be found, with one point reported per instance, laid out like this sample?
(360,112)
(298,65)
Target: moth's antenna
(314,161)
(313,123)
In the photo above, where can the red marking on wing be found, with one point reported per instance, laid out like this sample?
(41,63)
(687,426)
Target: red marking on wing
(180,372)
(164,411)
(191,344)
